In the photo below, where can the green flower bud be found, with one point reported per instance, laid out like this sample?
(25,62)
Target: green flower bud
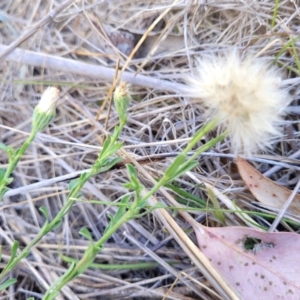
(45,111)
(121,100)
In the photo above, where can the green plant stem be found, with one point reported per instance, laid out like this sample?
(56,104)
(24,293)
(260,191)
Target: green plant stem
(118,267)
(70,199)
(14,161)
(91,252)
(199,135)
(275,13)
(89,255)
(164,180)
(208,145)
(48,226)
(81,266)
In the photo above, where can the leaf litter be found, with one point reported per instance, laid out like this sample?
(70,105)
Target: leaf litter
(254,262)
(265,190)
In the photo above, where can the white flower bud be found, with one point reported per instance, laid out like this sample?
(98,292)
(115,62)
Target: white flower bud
(45,111)
(121,100)
(49,100)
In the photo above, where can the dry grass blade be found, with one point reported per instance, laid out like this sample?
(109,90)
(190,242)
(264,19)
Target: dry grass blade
(52,14)
(92,71)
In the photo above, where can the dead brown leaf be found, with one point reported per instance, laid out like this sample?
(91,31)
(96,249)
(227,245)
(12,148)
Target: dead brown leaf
(265,190)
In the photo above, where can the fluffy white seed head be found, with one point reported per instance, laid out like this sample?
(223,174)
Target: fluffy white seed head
(245,95)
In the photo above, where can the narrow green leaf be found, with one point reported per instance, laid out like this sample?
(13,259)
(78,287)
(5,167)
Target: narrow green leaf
(148,210)
(285,47)
(84,176)
(110,217)
(177,163)
(275,13)
(117,132)
(11,153)
(218,211)
(131,170)
(184,168)
(44,211)
(105,147)
(7,284)
(109,267)
(111,150)
(52,295)
(8,149)
(188,166)
(98,248)
(56,225)
(200,134)
(295,53)
(9,180)
(109,164)
(211,143)
(73,183)
(2,173)
(134,183)
(14,250)
(141,205)
(156,206)
(186,196)
(4,190)
(120,212)
(69,275)
(129,186)
(3,147)
(116,147)
(85,233)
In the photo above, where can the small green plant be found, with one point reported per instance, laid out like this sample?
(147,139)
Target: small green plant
(42,116)
(131,208)
(238,109)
